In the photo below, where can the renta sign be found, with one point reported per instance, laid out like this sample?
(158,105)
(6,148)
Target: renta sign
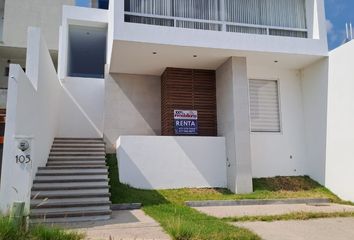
(186,122)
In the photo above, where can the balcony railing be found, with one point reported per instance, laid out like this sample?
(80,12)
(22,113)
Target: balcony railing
(267,17)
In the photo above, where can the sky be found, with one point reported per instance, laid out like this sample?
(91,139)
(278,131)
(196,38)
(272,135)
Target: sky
(83,3)
(338,12)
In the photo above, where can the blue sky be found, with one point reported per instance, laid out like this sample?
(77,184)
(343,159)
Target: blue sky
(83,3)
(338,12)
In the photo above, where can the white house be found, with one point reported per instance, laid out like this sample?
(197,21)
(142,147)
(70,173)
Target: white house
(188,93)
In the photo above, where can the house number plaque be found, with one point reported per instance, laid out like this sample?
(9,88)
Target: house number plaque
(23,159)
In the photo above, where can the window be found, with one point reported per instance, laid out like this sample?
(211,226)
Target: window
(264,104)
(87,51)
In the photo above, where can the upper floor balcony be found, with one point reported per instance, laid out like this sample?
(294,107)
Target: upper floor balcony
(265,17)
(295,26)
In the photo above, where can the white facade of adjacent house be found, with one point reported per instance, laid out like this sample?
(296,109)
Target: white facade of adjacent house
(280,103)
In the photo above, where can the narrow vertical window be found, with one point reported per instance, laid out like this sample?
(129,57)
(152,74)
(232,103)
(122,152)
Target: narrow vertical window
(264,106)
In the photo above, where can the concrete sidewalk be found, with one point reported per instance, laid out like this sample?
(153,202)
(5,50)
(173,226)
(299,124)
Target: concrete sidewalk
(317,229)
(127,224)
(265,210)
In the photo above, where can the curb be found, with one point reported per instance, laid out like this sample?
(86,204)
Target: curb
(216,203)
(126,206)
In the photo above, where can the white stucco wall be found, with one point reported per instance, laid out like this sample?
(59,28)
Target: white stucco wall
(82,99)
(81,108)
(132,106)
(19,15)
(314,84)
(160,162)
(283,153)
(32,113)
(340,130)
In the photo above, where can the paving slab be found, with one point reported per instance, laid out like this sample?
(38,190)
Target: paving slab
(316,229)
(124,225)
(266,210)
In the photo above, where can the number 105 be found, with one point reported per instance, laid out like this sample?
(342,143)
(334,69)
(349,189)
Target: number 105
(23,158)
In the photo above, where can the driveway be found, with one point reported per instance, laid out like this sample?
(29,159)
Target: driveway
(274,209)
(317,229)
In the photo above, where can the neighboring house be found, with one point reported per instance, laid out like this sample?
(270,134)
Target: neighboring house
(15,17)
(188,93)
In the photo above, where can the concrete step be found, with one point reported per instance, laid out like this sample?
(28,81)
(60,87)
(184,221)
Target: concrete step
(68,215)
(72,157)
(76,163)
(65,179)
(72,204)
(88,142)
(75,139)
(45,211)
(60,194)
(72,174)
(72,171)
(78,154)
(74,150)
(69,186)
(78,145)
(81,160)
(53,202)
(74,167)
(50,221)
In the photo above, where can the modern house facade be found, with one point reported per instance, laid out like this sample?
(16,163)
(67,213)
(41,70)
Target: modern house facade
(187,93)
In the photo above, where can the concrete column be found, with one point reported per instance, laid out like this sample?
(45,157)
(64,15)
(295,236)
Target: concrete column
(232,92)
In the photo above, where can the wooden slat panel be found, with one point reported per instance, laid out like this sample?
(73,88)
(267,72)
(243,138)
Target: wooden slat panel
(189,89)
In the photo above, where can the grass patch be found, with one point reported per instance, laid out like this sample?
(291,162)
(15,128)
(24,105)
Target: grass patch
(9,231)
(273,188)
(178,220)
(289,216)
(184,223)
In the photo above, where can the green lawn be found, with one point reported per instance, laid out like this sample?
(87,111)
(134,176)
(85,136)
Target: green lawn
(178,220)
(183,223)
(9,231)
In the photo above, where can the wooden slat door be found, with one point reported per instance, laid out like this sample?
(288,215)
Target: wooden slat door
(189,89)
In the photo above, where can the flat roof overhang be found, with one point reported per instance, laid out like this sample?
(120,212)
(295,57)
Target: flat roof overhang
(151,59)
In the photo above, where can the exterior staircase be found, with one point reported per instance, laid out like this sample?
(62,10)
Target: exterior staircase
(73,186)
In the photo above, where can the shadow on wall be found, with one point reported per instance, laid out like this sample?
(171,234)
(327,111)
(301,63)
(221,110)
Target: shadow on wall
(135,171)
(82,111)
(123,193)
(132,106)
(162,162)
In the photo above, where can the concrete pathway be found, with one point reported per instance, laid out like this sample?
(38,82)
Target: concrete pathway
(127,224)
(317,229)
(263,210)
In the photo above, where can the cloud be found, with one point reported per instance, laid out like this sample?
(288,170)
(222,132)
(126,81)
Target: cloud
(329,26)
